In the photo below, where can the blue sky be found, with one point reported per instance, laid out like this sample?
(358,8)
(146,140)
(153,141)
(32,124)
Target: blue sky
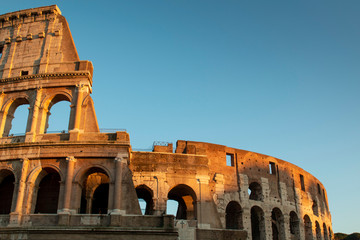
(275,77)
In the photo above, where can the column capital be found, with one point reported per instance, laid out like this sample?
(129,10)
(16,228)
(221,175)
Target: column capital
(122,157)
(70,159)
(24,160)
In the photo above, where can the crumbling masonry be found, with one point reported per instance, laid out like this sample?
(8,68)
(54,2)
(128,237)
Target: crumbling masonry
(85,184)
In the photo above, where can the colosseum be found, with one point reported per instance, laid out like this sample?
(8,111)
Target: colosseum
(87,184)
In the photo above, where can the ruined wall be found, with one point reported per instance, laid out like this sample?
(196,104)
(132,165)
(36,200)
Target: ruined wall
(281,193)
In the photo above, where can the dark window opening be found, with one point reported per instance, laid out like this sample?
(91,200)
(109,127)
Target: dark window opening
(145,197)
(294,225)
(48,193)
(255,191)
(95,192)
(319,190)
(100,199)
(302,182)
(272,168)
(318,231)
(24,73)
(308,228)
(6,192)
(186,199)
(315,208)
(230,160)
(1,50)
(233,217)
(257,223)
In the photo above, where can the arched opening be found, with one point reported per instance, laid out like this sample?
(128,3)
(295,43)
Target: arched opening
(233,216)
(7,180)
(277,224)
(330,234)
(17,117)
(95,192)
(58,117)
(308,228)
(315,208)
(317,230)
(294,226)
(48,191)
(58,114)
(186,199)
(326,235)
(257,224)
(145,196)
(255,191)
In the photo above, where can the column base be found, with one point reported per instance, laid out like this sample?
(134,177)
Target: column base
(117,212)
(30,137)
(64,218)
(15,219)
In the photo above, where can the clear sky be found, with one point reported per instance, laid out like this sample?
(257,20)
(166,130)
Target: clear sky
(275,77)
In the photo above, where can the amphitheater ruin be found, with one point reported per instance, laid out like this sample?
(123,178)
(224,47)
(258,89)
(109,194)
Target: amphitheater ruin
(86,184)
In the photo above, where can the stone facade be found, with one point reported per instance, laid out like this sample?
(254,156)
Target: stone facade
(84,183)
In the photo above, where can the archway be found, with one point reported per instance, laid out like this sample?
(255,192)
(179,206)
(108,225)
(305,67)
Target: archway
(186,198)
(58,114)
(294,226)
(308,228)
(47,196)
(95,192)
(317,230)
(17,117)
(233,216)
(277,224)
(257,223)
(145,195)
(326,235)
(315,208)
(7,180)
(255,191)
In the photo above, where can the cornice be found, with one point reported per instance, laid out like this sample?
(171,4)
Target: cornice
(47,75)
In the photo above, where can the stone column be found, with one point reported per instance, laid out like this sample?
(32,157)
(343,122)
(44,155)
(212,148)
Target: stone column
(15,216)
(68,183)
(268,224)
(64,213)
(202,216)
(120,164)
(34,113)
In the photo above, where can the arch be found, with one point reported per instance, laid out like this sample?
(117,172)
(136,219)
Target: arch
(94,187)
(82,173)
(308,228)
(10,108)
(294,226)
(186,198)
(48,188)
(257,223)
(326,235)
(233,216)
(315,208)
(146,194)
(33,176)
(330,234)
(255,191)
(56,97)
(317,230)
(50,102)
(7,179)
(277,224)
